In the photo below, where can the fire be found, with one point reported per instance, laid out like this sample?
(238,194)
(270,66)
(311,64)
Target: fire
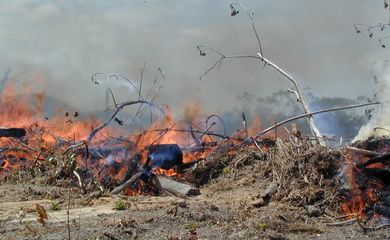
(48,136)
(21,108)
(255,127)
(28,112)
(354,207)
(6,166)
(167,131)
(169,172)
(363,190)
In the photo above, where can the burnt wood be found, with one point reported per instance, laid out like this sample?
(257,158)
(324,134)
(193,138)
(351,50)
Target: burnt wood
(165,156)
(12,132)
(386,200)
(132,168)
(176,187)
(381,174)
(382,210)
(383,158)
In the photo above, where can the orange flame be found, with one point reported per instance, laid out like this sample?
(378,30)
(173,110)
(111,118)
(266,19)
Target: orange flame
(361,197)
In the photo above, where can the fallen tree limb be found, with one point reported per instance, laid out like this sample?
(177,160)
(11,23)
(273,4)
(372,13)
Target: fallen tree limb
(370,228)
(343,223)
(120,188)
(362,151)
(266,196)
(176,187)
(315,113)
(382,158)
(271,190)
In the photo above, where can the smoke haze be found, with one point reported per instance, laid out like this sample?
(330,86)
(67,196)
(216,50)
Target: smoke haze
(379,124)
(65,42)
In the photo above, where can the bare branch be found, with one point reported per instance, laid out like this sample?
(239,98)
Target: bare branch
(381,41)
(362,151)
(250,15)
(140,109)
(220,119)
(120,107)
(295,92)
(74,146)
(245,124)
(343,223)
(315,113)
(205,132)
(316,133)
(113,98)
(203,48)
(381,128)
(194,131)
(113,76)
(141,80)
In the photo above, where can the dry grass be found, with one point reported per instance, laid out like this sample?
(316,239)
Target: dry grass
(305,173)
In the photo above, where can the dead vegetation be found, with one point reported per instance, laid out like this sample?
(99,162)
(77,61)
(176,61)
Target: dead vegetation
(274,189)
(185,180)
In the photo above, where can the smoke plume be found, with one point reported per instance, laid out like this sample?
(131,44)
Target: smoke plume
(379,124)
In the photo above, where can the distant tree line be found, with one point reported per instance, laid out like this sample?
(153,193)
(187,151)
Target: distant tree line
(280,105)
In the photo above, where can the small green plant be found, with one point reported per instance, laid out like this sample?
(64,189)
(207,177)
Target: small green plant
(261,226)
(55,206)
(192,226)
(120,205)
(226,171)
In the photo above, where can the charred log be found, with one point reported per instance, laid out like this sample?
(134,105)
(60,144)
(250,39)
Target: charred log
(127,183)
(386,200)
(165,156)
(382,210)
(12,132)
(383,158)
(373,144)
(133,167)
(378,173)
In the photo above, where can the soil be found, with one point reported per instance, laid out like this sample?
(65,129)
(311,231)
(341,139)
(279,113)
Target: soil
(223,210)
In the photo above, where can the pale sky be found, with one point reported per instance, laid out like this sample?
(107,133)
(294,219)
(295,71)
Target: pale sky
(65,42)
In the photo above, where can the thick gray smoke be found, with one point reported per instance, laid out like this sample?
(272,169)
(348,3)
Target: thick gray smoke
(379,125)
(65,42)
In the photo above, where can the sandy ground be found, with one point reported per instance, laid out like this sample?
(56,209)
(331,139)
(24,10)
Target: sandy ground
(222,211)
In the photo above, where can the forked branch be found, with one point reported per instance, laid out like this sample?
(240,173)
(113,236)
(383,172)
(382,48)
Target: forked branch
(119,108)
(300,97)
(260,56)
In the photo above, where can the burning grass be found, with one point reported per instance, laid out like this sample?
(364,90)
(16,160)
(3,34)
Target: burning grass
(291,171)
